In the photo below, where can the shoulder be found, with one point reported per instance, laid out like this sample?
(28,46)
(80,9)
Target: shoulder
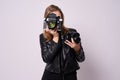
(70,30)
(41,37)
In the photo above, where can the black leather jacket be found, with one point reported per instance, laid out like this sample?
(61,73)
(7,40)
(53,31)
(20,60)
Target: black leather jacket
(51,54)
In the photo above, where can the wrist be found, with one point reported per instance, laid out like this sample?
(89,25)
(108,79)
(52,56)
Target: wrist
(77,49)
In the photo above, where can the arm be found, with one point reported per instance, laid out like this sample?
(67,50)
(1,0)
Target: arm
(48,49)
(80,57)
(77,47)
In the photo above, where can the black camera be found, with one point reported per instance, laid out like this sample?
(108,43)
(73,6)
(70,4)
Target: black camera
(73,35)
(53,21)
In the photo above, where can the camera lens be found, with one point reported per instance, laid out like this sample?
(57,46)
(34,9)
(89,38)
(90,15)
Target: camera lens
(76,37)
(52,24)
(73,35)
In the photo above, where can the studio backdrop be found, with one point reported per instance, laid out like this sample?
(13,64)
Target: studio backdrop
(21,22)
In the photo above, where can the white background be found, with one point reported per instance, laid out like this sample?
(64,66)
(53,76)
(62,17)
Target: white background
(21,22)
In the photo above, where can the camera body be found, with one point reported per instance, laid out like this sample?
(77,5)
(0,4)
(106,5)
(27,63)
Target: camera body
(74,35)
(53,22)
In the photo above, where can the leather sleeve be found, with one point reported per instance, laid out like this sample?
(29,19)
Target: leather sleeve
(48,49)
(80,56)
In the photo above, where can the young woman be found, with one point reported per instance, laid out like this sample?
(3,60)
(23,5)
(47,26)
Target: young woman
(61,55)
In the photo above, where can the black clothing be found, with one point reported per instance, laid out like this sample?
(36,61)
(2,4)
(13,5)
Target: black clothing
(51,52)
(56,76)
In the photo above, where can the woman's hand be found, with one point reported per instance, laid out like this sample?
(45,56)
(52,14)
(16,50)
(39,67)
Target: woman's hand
(55,35)
(75,46)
